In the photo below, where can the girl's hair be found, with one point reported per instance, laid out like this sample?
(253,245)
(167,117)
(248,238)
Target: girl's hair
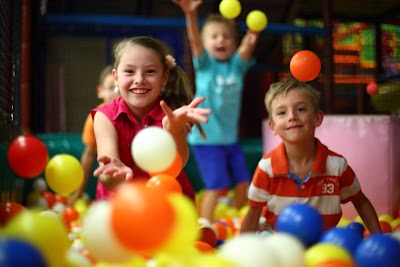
(107,70)
(217,18)
(284,86)
(178,90)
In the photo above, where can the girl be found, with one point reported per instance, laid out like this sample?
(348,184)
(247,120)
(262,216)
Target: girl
(154,92)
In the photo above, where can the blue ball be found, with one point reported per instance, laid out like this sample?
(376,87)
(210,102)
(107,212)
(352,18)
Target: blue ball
(378,250)
(302,221)
(17,253)
(357,227)
(342,237)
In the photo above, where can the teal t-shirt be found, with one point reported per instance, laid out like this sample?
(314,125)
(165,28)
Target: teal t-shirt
(221,83)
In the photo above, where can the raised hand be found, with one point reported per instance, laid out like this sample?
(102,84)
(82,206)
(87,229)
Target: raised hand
(188,5)
(178,119)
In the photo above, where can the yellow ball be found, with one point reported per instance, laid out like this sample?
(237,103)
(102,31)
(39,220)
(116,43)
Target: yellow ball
(64,174)
(230,8)
(256,20)
(322,252)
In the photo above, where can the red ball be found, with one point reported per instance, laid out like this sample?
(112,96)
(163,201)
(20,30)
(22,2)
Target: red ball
(372,88)
(9,210)
(28,156)
(305,65)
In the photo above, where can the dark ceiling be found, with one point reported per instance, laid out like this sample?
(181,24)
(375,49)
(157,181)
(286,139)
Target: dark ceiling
(278,11)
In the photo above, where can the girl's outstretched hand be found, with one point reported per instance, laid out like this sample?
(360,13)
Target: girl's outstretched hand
(188,5)
(113,167)
(180,117)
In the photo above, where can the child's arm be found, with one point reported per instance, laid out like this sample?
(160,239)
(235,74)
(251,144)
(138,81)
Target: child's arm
(176,123)
(189,7)
(251,219)
(367,213)
(111,171)
(248,44)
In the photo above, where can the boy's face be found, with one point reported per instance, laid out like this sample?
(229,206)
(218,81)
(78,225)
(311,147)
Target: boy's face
(218,40)
(293,116)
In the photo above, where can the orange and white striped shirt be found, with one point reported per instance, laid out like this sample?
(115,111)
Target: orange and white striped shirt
(331,183)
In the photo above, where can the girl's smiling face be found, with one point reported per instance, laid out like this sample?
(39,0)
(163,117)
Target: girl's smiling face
(293,116)
(141,77)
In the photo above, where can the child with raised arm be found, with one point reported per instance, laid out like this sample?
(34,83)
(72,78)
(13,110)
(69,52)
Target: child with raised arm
(154,91)
(302,169)
(105,90)
(220,66)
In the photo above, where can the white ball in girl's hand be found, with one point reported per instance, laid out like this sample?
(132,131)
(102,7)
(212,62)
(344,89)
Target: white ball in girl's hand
(153,149)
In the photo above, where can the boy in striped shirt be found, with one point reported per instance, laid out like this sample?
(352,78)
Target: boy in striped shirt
(301,169)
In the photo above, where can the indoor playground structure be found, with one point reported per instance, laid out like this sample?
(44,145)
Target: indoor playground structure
(51,54)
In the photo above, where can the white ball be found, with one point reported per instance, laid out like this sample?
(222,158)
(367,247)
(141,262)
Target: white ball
(248,250)
(287,248)
(153,149)
(39,185)
(98,237)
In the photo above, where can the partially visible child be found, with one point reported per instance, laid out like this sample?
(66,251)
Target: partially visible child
(301,169)
(105,90)
(154,91)
(220,66)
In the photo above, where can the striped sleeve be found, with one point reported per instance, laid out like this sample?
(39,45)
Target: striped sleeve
(349,184)
(258,190)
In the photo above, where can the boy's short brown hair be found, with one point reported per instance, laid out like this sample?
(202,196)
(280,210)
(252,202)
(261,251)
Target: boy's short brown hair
(284,86)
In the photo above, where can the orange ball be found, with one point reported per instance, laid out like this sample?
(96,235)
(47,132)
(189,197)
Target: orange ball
(305,65)
(70,215)
(49,197)
(174,169)
(61,199)
(203,247)
(165,183)
(141,220)
(222,231)
(336,263)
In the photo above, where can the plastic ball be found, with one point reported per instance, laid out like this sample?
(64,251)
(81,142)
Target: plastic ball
(343,237)
(248,250)
(39,184)
(141,220)
(230,8)
(70,215)
(164,183)
(27,156)
(372,88)
(256,20)
(305,65)
(357,227)
(203,247)
(174,169)
(208,234)
(282,245)
(184,232)
(47,234)
(49,197)
(64,174)
(378,250)
(336,263)
(99,238)
(9,210)
(19,253)
(301,220)
(323,252)
(153,149)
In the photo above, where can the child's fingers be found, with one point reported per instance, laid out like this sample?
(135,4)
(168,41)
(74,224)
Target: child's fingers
(168,112)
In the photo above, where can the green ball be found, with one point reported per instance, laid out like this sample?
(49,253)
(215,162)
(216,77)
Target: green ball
(256,20)
(230,8)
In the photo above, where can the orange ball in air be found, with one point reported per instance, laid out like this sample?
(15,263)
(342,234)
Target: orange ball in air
(305,65)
